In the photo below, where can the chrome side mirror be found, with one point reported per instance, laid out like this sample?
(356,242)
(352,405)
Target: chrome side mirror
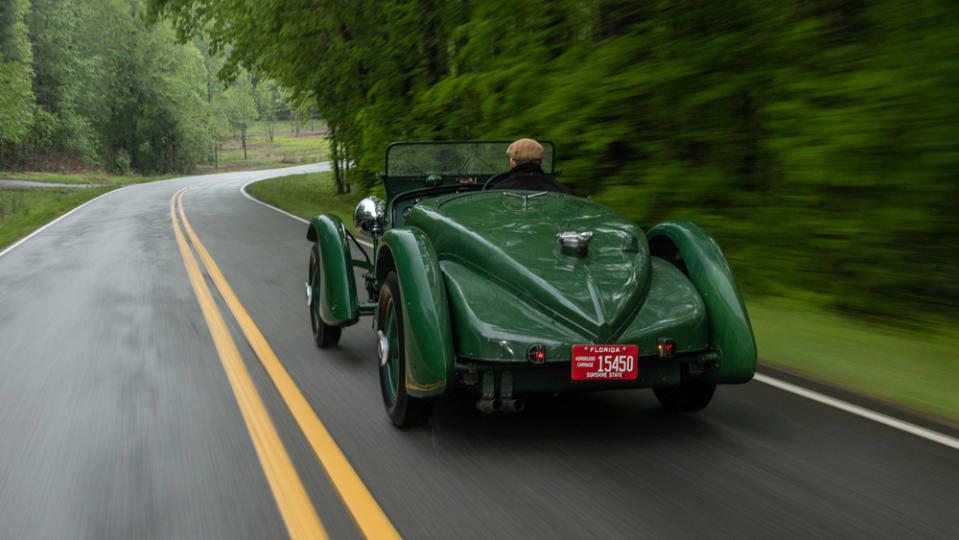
(368,216)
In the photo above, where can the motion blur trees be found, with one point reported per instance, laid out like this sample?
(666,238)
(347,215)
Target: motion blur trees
(812,138)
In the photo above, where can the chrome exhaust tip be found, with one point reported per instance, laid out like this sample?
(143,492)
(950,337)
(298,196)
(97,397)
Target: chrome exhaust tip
(489,405)
(497,405)
(514,405)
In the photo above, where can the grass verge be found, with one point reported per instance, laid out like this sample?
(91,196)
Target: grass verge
(913,369)
(90,178)
(307,195)
(23,210)
(287,148)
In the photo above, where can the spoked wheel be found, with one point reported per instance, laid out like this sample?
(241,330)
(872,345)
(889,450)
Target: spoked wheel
(324,335)
(402,409)
(688,397)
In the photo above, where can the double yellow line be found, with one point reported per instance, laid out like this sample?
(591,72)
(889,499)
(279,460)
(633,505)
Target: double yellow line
(297,511)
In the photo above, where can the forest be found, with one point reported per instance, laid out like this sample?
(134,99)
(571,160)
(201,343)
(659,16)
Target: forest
(812,138)
(95,84)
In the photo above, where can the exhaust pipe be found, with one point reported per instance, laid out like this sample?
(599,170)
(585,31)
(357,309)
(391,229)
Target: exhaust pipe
(496,405)
(489,405)
(514,405)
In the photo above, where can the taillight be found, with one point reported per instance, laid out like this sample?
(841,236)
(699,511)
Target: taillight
(667,348)
(536,354)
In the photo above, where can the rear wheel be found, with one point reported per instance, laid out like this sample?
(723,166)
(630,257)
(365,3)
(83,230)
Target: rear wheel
(324,335)
(402,409)
(687,397)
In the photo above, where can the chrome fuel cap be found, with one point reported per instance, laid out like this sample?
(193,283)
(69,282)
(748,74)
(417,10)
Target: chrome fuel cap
(574,244)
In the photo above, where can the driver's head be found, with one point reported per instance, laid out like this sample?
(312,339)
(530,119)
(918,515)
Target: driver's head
(525,151)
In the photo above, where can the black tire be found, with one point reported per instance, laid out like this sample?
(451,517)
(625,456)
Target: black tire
(324,335)
(402,409)
(688,397)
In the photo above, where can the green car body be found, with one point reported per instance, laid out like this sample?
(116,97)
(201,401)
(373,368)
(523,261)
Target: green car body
(485,284)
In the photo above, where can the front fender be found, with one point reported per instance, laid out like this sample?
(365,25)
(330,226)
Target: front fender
(427,332)
(729,329)
(337,285)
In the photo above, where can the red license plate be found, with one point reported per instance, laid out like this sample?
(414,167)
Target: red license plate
(605,362)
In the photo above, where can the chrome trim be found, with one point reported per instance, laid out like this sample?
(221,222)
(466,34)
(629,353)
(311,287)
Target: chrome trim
(574,239)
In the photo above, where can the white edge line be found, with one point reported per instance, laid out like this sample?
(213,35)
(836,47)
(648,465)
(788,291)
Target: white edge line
(861,411)
(44,227)
(282,211)
(782,385)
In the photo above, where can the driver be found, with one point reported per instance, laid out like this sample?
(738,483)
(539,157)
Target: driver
(526,172)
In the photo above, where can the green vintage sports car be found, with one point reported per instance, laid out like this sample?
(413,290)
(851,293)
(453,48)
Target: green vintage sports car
(508,293)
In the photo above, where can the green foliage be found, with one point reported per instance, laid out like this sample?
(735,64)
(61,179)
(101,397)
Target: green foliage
(814,139)
(95,80)
(16,99)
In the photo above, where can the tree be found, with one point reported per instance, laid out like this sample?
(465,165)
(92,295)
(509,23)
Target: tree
(268,100)
(16,98)
(91,78)
(237,104)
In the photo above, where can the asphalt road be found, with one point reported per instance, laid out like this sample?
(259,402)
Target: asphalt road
(117,418)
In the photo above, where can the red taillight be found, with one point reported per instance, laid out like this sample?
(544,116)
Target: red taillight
(667,348)
(536,354)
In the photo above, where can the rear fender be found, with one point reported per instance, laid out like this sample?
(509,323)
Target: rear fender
(427,332)
(337,291)
(692,249)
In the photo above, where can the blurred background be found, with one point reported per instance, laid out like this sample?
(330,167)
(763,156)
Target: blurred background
(815,139)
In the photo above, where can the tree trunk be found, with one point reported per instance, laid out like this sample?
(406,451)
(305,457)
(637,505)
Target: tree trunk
(243,140)
(335,156)
(346,169)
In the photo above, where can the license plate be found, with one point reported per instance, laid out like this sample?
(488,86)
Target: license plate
(605,362)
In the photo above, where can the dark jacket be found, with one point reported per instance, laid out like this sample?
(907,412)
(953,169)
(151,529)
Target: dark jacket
(530,176)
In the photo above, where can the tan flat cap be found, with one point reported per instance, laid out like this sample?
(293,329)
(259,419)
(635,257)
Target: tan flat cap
(525,149)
